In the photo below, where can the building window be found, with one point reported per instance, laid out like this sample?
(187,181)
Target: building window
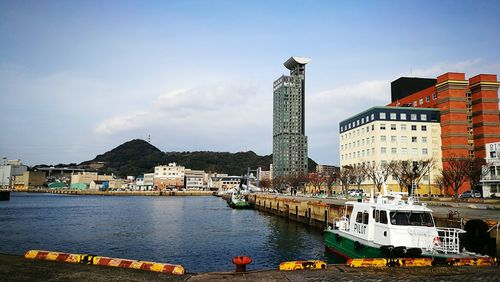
(424,139)
(382,115)
(362,120)
(394,151)
(434,96)
(424,151)
(382,126)
(393,139)
(403,127)
(421,101)
(373,127)
(414,128)
(414,151)
(413,116)
(367,129)
(373,139)
(423,117)
(428,98)
(403,116)
(404,151)
(404,139)
(413,139)
(383,150)
(393,115)
(424,127)
(414,103)
(393,126)
(372,116)
(382,138)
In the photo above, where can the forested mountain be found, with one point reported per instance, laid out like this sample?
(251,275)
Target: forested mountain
(138,156)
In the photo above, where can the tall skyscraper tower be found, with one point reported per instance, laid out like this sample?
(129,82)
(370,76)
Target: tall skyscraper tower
(289,140)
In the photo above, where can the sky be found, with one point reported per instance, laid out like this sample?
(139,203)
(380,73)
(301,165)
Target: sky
(78,78)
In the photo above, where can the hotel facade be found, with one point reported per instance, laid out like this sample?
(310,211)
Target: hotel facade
(289,140)
(381,135)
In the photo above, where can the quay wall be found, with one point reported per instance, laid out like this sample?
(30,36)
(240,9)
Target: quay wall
(319,214)
(121,193)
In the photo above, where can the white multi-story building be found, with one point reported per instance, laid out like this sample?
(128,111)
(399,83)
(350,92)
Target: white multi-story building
(169,176)
(380,135)
(194,179)
(491,181)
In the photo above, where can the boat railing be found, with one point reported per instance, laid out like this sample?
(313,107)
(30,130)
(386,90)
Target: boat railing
(448,240)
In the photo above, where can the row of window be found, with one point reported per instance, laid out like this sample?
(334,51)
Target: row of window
(383,151)
(383,139)
(393,126)
(382,116)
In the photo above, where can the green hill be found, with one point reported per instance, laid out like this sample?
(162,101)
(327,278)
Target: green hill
(138,156)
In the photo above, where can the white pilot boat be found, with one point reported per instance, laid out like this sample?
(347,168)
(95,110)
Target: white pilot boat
(388,227)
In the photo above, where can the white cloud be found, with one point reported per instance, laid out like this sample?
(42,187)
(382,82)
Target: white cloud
(223,116)
(327,108)
(470,67)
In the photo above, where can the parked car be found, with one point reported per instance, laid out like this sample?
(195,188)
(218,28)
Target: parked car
(470,194)
(357,193)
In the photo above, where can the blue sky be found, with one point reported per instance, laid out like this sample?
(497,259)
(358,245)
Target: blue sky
(78,78)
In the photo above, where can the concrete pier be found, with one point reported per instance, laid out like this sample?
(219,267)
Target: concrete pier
(121,193)
(17,268)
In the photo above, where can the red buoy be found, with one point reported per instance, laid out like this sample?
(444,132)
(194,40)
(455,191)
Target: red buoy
(241,263)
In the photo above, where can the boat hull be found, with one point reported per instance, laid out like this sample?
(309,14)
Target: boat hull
(348,248)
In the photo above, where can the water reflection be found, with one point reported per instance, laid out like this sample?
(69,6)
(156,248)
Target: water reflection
(201,233)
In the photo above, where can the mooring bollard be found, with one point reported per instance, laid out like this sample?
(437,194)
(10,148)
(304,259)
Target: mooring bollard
(241,263)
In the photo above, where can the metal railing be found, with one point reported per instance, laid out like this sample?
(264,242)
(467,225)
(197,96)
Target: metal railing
(449,241)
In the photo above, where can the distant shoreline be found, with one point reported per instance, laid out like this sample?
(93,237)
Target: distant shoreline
(119,193)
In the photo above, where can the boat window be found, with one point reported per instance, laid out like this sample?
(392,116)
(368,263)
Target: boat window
(377,215)
(412,218)
(383,217)
(373,215)
(359,217)
(366,216)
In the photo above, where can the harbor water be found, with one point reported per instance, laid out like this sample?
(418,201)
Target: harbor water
(201,233)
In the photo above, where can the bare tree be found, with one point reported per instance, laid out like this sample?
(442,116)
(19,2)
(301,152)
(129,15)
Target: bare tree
(330,179)
(315,180)
(379,172)
(278,183)
(406,172)
(265,183)
(345,178)
(454,172)
(358,175)
(296,180)
(476,172)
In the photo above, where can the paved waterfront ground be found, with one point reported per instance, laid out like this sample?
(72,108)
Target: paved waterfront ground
(16,268)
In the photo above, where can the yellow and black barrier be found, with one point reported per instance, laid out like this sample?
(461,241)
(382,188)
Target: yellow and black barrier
(105,261)
(300,265)
(480,261)
(389,262)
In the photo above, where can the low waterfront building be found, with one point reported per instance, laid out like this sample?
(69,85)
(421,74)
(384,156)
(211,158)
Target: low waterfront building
(88,177)
(29,180)
(223,182)
(99,185)
(194,179)
(9,170)
(169,176)
(380,135)
(491,179)
(326,169)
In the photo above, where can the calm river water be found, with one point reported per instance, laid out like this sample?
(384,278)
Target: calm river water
(201,233)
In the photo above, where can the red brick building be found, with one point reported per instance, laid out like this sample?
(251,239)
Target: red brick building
(469,109)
